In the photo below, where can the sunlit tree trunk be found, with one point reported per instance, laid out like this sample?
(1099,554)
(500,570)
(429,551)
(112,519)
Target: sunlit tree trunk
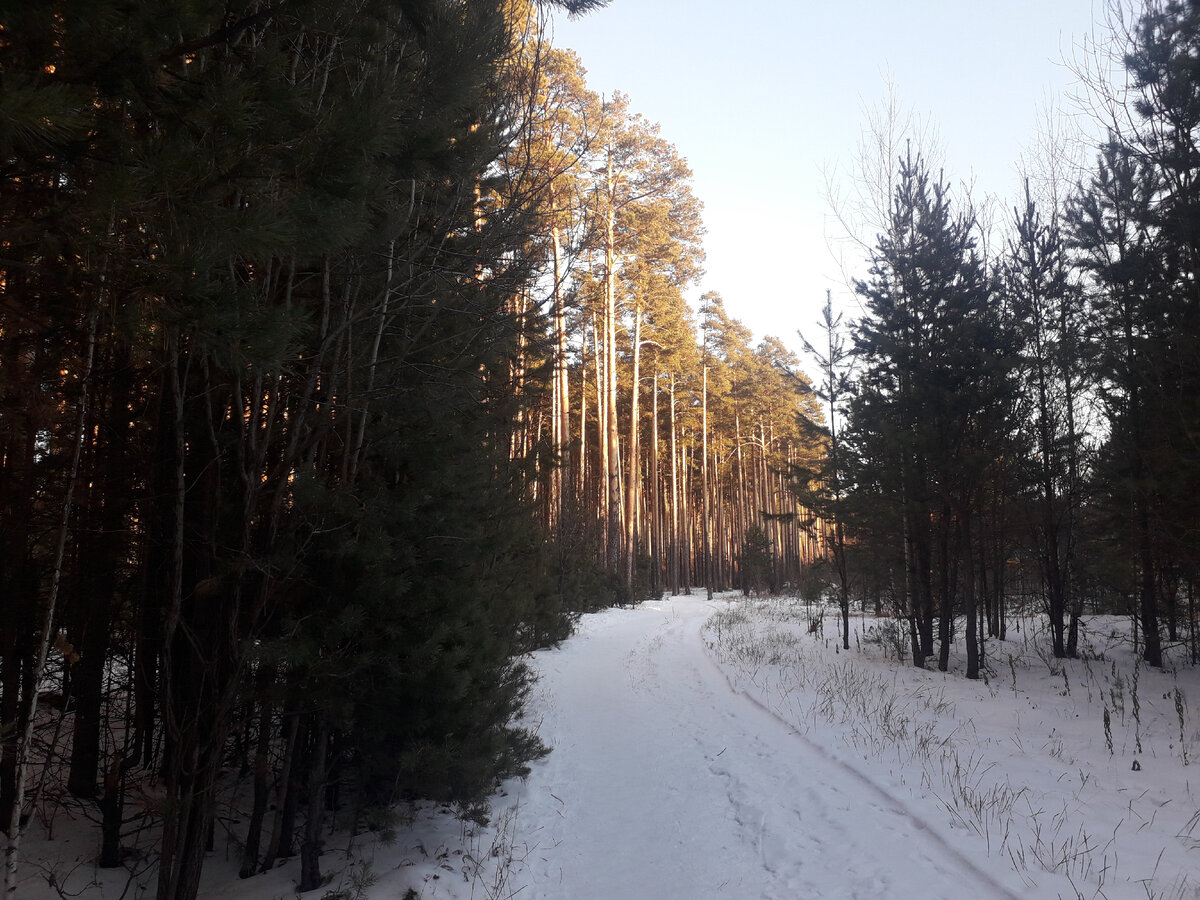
(633,481)
(613,506)
(561,395)
(675,554)
(655,504)
(705,510)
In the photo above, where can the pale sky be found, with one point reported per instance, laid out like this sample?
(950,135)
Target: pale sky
(763,97)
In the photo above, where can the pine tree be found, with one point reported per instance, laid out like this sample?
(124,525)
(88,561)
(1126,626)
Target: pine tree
(935,357)
(1109,227)
(1046,306)
(1134,224)
(822,489)
(267,231)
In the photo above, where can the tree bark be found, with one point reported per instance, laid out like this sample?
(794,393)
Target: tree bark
(674,561)
(633,482)
(310,847)
(611,433)
(285,802)
(969,599)
(262,749)
(16,823)
(707,537)
(656,538)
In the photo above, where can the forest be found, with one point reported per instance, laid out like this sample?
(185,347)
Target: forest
(348,353)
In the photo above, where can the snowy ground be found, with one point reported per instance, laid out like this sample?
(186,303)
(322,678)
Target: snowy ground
(721,749)
(1073,776)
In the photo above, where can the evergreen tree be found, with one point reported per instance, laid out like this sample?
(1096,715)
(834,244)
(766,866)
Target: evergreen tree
(1134,225)
(1047,307)
(934,354)
(265,230)
(822,488)
(1117,248)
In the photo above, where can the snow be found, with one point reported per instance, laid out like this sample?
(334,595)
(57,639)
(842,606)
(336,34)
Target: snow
(670,781)
(726,748)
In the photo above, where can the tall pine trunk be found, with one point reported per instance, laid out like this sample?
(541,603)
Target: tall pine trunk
(969,598)
(612,447)
(633,481)
(310,847)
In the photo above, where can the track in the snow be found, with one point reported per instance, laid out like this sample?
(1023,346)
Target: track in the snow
(667,784)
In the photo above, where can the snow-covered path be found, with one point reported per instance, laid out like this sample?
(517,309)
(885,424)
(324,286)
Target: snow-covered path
(666,783)
(673,779)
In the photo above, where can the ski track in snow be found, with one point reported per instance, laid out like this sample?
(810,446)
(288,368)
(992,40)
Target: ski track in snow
(667,782)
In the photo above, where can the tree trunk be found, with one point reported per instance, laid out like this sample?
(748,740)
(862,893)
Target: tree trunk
(674,562)
(969,599)
(633,482)
(562,406)
(656,541)
(611,433)
(1152,647)
(285,801)
(581,474)
(262,772)
(600,355)
(310,847)
(99,551)
(111,812)
(708,573)
(1193,645)
(945,590)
